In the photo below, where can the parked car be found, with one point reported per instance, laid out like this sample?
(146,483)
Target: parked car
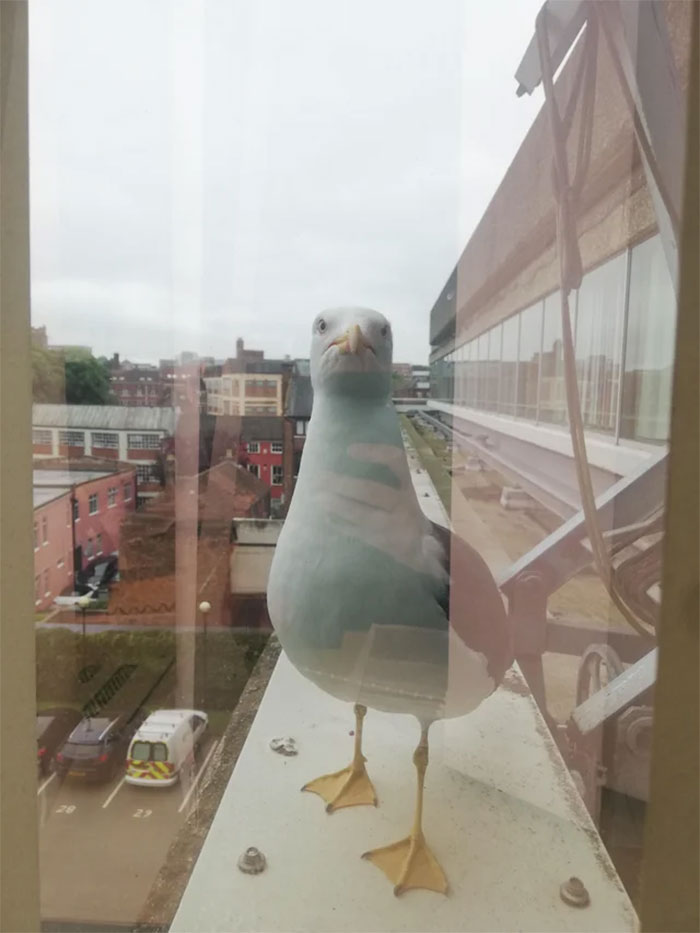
(96,748)
(52,728)
(73,599)
(164,744)
(100,573)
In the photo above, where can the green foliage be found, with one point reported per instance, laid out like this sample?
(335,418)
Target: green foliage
(61,655)
(87,382)
(72,376)
(48,376)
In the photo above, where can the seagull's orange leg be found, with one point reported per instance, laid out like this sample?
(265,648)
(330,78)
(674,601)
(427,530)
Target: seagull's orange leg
(351,786)
(409,863)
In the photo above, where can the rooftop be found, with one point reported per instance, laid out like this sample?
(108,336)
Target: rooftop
(42,495)
(101,417)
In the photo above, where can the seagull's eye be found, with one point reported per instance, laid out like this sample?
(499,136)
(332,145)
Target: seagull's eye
(385,330)
(321,327)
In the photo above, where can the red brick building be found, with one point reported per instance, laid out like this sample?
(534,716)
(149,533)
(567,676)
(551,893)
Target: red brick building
(262,453)
(100,498)
(53,545)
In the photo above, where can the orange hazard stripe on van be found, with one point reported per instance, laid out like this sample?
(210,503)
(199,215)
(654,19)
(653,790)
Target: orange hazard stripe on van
(156,770)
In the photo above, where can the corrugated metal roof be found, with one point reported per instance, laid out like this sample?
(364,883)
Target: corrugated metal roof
(104,417)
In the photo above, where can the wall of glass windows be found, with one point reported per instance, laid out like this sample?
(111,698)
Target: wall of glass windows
(624,320)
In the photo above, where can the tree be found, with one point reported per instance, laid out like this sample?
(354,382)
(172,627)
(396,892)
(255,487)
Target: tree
(48,376)
(87,381)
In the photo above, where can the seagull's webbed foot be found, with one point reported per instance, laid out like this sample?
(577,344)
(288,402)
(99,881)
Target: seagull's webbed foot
(409,863)
(347,788)
(350,787)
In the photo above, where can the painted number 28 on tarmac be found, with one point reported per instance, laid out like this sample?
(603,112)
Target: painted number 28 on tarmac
(66,808)
(142,814)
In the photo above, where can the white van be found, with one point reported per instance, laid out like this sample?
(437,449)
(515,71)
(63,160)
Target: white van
(164,743)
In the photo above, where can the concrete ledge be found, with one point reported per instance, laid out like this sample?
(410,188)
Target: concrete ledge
(501,814)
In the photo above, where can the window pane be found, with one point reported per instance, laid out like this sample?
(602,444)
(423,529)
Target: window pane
(529,361)
(646,398)
(493,368)
(552,388)
(509,366)
(598,342)
(482,371)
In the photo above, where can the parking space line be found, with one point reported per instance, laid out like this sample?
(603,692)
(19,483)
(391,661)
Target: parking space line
(46,783)
(197,777)
(113,794)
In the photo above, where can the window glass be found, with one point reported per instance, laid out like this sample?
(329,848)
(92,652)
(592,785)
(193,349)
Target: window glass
(552,398)
(206,179)
(482,350)
(646,395)
(599,322)
(493,368)
(509,366)
(529,361)
(105,439)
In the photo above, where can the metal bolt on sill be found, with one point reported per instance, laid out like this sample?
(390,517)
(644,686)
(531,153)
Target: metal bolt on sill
(574,893)
(284,746)
(252,862)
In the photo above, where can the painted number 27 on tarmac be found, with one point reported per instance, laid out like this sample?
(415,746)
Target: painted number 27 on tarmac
(142,814)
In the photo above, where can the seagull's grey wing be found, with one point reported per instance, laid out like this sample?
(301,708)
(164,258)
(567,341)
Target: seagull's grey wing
(473,603)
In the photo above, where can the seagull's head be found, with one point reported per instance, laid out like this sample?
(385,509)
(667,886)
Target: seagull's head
(351,351)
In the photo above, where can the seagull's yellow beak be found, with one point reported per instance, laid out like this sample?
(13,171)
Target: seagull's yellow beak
(352,341)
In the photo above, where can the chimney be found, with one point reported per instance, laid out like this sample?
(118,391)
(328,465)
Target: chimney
(239,348)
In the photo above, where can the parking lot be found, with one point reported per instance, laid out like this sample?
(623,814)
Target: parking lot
(102,845)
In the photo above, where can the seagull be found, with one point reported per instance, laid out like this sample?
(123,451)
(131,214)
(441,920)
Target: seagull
(370,600)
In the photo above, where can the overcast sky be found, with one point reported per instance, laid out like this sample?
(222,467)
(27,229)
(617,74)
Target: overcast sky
(207,170)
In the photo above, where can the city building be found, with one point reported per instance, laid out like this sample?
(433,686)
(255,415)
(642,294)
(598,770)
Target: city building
(496,362)
(141,385)
(261,451)
(53,544)
(297,412)
(420,377)
(79,509)
(244,394)
(126,434)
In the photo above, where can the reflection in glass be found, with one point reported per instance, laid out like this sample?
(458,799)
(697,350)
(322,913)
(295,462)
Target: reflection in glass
(509,366)
(471,373)
(601,301)
(493,367)
(529,361)
(552,387)
(651,328)
(482,349)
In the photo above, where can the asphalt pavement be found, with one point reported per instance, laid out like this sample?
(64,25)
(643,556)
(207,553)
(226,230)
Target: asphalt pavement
(102,845)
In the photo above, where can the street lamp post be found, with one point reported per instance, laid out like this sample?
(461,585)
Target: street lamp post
(83,604)
(205,609)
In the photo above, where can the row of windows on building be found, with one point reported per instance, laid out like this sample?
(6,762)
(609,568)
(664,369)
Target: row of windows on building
(105,439)
(232,385)
(276,447)
(277,473)
(623,318)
